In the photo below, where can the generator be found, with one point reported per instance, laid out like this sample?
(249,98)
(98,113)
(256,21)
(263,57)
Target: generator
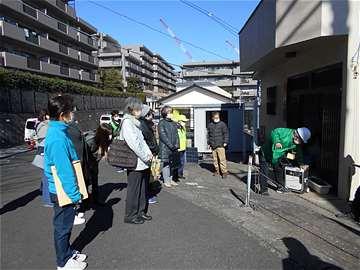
(296,178)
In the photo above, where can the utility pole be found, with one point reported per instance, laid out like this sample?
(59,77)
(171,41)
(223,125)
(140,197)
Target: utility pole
(123,67)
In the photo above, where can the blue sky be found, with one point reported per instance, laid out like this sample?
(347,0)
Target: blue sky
(187,23)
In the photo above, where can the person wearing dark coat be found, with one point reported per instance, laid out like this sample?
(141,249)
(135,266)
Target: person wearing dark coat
(169,145)
(95,148)
(146,127)
(218,139)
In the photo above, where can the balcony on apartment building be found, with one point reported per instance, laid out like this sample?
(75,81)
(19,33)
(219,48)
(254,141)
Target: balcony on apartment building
(146,64)
(33,39)
(63,7)
(228,82)
(31,64)
(133,67)
(109,62)
(46,21)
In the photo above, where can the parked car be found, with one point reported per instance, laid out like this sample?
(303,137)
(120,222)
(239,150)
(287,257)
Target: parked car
(105,119)
(30,131)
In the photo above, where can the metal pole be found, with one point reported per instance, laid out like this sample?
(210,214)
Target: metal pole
(248,182)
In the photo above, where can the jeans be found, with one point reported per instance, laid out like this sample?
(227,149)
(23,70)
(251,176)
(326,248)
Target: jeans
(136,201)
(167,172)
(45,190)
(182,163)
(63,222)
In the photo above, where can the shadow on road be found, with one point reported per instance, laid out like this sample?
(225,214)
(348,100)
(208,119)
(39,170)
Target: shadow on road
(20,202)
(353,230)
(237,196)
(100,222)
(207,166)
(106,189)
(299,255)
(102,218)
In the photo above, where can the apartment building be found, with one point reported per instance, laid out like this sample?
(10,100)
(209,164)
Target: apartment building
(157,77)
(48,38)
(225,74)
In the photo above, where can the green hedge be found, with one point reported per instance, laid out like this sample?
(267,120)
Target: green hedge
(14,79)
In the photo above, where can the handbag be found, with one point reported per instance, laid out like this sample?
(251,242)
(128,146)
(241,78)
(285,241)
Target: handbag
(120,155)
(63,198)
(39,158)
(155,169)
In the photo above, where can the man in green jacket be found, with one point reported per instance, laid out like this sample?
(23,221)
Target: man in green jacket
(115,123)
(281,142)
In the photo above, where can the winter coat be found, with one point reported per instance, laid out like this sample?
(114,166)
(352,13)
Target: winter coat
(91,157)
(115,128)
(60,152)
(149,136)
(284,136)
(41,130)
(131,133)
(218,134)
(168,139)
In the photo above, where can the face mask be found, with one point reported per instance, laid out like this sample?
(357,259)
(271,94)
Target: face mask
(217,120)
(137,114)
(169,116)
(116,118)
(70,119)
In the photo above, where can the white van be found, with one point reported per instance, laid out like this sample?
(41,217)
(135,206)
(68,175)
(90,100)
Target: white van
(30,129)
(105,119)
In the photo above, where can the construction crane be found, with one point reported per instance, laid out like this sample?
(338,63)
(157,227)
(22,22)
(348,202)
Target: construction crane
(232,46)
(178,41)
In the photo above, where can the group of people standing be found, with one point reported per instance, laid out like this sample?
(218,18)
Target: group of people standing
(61,142)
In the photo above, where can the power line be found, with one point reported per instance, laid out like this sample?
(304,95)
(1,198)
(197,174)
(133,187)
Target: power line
(231,29)
(157,30)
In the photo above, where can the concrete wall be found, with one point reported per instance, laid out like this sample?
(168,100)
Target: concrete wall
(297,21)
(257,38)
(18,105)
(279,23)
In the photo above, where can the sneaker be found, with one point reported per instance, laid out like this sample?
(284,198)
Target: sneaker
(81,214)
(78,220)
(173,183)
(73,265)
(167,185)
(79,257)
(152,200)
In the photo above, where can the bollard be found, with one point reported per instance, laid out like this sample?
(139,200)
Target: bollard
(247,201)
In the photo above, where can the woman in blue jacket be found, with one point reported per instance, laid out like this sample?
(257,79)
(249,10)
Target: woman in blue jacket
(60,152)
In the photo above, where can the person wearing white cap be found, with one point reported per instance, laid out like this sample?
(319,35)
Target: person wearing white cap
(281,142)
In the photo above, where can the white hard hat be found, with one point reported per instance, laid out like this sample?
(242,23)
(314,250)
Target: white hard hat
(304,134)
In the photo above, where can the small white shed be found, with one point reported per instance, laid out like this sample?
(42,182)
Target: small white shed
(197,103)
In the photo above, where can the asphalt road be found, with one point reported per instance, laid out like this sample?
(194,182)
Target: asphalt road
(181,235)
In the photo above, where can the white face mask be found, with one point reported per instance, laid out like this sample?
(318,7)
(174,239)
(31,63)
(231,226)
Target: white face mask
(116,118)
(217,120)
(169,116)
